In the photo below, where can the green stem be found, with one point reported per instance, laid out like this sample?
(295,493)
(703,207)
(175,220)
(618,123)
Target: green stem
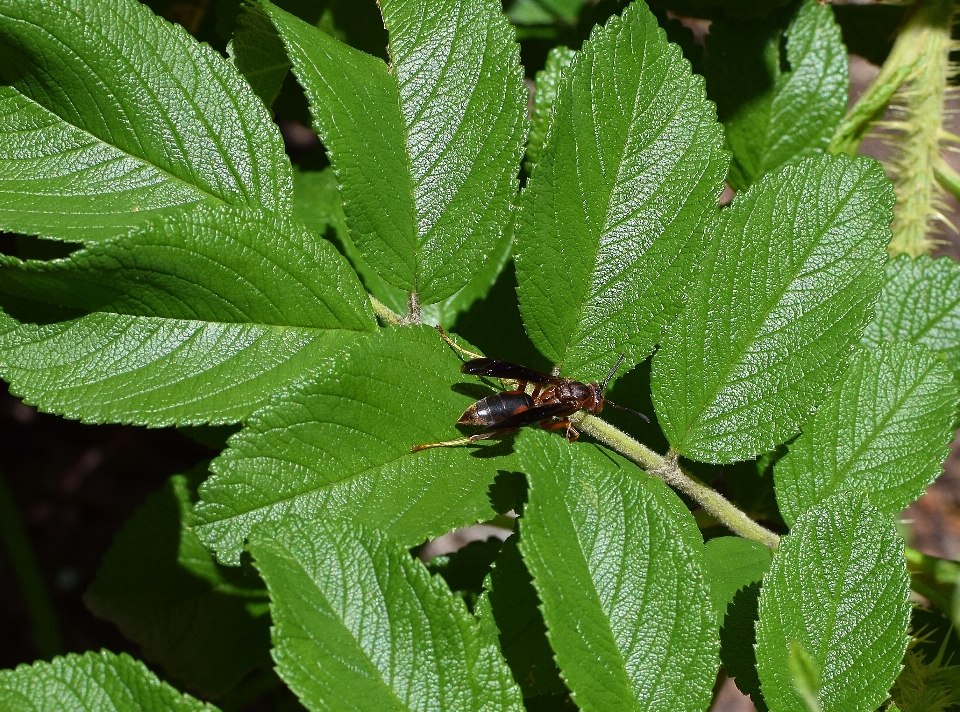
(668,469)
(384,313)
(43,620)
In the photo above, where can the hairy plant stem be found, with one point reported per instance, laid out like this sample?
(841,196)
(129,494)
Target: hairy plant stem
(668,469)
(923,44)
(385,313)
(414,312)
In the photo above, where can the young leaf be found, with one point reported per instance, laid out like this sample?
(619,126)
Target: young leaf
(920,303)
(773,113)
(258,54)
(113,116)
(427,149)
(199,318)
(340,444)
(885,428)
(93,681)
(509,611)
(731,563)
(544,97)
(785,291)
(612,218)
(618,564)
(838,587)
(206,624)
(359,624)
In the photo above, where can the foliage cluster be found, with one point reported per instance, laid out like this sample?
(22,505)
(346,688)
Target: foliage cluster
(173,268)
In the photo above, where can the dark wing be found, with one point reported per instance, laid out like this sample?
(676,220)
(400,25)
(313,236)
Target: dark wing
(504,369)
(533,415)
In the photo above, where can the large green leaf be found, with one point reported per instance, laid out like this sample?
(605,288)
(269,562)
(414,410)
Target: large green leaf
(611,222)
(359,624)
(206,624)
(775,104)
(837,590)
(618,564)
(920,303)
(199,318)
(786,288)
(340,444)
(885,428)
(113,116)
(427,149)
(544,97)
(94,681)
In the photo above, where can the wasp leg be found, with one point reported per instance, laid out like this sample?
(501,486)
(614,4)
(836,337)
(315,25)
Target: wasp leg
(454,345)
(460,441)
(571,433)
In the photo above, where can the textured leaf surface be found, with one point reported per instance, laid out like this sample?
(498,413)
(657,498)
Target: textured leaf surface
(111,116)
(838,587)
(94,681)
(731,564)
(427,150)
(196,319)
(885,428)
(777,107)
(206,624)
(920,303)
(612,218)
(509,611)
(544,97)
(341,445)
(617,562)
(785,291)
(359,624)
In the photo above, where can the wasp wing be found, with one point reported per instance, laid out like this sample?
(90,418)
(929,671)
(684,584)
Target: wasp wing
(504,369)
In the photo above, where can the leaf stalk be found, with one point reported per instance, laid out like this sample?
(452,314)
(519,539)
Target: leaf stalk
(668,469)
(385,313)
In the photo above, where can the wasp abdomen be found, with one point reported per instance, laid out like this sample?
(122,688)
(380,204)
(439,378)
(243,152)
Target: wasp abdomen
(488,412)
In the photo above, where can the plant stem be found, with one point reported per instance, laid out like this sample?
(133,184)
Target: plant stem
(668,469)
(384,313)
(924,45)
(414,312)
(43,620)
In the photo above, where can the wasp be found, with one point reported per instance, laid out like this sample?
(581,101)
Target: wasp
(537,398)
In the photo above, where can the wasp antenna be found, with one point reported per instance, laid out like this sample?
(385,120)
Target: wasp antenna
(629,410)
(603,386)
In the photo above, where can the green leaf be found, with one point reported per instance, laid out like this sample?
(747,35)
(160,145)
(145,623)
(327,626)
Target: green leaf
(93,681)
(731,564)
(509,611)
(611,221)
(359,624)
(426,150)
(920,303)
(617,562)
(258,54)
(206,624)
(838,587)
(737,639)
(786,288)
(199,318)
(544,97)
(113,117)
(340,444)
(775,108)
(885,428)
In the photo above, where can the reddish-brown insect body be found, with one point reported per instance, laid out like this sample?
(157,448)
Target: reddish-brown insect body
(551,400)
